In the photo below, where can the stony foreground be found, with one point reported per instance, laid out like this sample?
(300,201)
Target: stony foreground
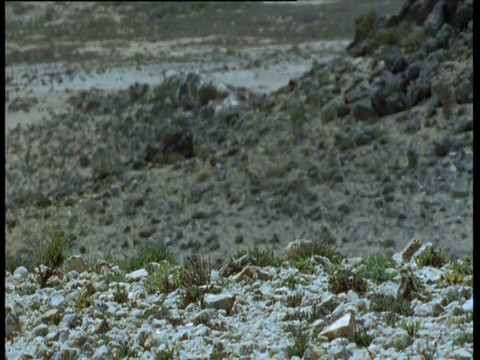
(246,311)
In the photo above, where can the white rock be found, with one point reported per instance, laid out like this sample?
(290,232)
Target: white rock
(136,275)
(220,301)
(343,327)
(468,306)
(400,340)
(20,273)
(460,354)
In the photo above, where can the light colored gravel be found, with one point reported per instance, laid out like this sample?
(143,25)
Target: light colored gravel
(247,315)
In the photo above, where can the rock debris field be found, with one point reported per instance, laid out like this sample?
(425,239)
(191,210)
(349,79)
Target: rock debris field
(238,143)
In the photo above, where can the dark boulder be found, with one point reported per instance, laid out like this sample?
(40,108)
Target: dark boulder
(413,70)
(363,110)
(181,143)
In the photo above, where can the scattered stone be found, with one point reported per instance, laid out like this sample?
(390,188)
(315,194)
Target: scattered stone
(343,327)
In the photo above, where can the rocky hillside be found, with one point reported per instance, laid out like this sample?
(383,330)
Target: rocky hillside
(365,151)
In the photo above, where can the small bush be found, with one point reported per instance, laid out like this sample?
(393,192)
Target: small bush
(413,38)
(300,344)
(52,256)
(151,251)
(120,295)
(431,257)
(322,248)
(196,272)
(83,301)
(264,258)
(384,37)
(376,265)
(343,280)
(294,300)
(192,294)
(387,303)
(329,113)
(411,327)
(166,279)
(364,24)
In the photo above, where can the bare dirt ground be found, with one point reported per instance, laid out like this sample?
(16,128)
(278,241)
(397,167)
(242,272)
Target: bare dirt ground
(60,53)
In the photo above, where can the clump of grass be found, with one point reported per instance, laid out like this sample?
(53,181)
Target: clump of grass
(343,280)
(291,281)
(375,266)
(393,307)
(364,24)
(413,38)
(124,351)
(114,277)
(264,258)
(457,271)
(362,338)
(219,352)
(294,300)
(329,113)
(83,301)
(165,279)
(411,327)
(446,97)
(462,266)
(52,257)
(300,344)
(384,37)
(307,249)
(167,354)
(196,272)
(192,294)
(431,257)
(153,250)
(120,295)
(306,266)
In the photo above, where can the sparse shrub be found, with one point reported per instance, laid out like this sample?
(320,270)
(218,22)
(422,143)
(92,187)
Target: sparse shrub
(387,303)
(376,265)
(364,24)
(411,327)
(120,295)
(192,294)
(114,277)
(102,164)
(264,258)
(431,257)
(165,279)
(294,300)
(153,250)
(343,280)
(329,113)
(445,95)
(362,338)
(306,266)
(413,38)
(167,354)
(196,272)
(83,301)
(52,257)
(307,249)
(291,281)
(384,37)
(300,344)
